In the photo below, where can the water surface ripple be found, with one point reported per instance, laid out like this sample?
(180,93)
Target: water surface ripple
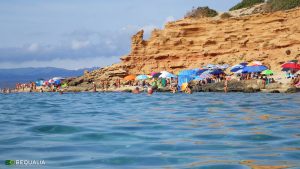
(122,130)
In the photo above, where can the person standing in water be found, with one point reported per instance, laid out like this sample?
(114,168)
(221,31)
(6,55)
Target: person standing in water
(94,87)
(226,84)
(188,90)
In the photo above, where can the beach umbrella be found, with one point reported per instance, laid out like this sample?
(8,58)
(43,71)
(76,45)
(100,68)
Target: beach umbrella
(156,75)
(244,63)
(239,71)
(254,69)
(57,82)
(199,72)
(58,78)
(211,66)
(255,63)
(198,78)
(39,83)
(189,72)
(46,83)
(153,73)
(165,74)
(130,77)
(237,67)
(141,77)
(291,65)
(216,72)
(206,72)
(267,72)
(64,85)
(51,81)
(186,76)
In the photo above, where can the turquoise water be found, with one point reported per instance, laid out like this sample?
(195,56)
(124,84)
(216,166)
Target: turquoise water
(122,130)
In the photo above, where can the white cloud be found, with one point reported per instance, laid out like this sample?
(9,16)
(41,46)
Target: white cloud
(66,63)
(33,47)
(77,44)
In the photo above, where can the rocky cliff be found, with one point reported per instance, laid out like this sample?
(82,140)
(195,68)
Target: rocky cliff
(192,43)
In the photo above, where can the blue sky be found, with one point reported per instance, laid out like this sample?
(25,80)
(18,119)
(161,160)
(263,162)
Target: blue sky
(75,34)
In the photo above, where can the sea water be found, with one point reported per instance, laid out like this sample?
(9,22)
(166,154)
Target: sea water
(123,130)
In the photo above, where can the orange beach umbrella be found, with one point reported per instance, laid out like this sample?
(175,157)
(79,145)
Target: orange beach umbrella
(130,77)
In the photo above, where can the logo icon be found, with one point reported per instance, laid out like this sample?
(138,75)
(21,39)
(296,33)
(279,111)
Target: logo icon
(9,162)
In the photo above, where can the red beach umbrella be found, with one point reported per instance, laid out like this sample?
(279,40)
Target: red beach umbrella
(291,65)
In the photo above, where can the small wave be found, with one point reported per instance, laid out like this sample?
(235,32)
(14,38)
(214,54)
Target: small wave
(113,136)
(55,129)
(259,137)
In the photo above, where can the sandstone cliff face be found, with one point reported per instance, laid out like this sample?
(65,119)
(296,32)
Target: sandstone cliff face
(191,43)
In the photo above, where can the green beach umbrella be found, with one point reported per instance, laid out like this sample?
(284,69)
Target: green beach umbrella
(267,72)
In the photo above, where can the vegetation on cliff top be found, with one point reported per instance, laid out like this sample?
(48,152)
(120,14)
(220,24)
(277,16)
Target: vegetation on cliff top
(226,15)
(271,5)
(201,12)
(246,4)
(277,5)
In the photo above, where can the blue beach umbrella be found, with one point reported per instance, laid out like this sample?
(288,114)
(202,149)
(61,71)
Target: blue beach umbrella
(239,71)
(201,71)
(244,63)
(189,72)
(254,69)
(198,78)
(206,72)
(57,82)
(141,77)
(216,72)
(39,83)
(211,66)
(237,67)
(186,76)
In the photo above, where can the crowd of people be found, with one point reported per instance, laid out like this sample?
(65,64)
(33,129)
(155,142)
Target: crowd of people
(165,81)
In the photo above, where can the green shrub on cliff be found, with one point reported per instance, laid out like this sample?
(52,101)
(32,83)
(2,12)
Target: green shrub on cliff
(226,15)
(246,4)
(201,12)
(277,5)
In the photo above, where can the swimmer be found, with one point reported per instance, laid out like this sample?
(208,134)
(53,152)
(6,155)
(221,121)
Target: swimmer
(188,90)
(136,90)
(150,91)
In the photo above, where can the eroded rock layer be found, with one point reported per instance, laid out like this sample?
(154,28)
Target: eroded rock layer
(192,43)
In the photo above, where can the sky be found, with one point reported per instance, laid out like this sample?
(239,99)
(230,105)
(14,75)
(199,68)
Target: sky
(75,34)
